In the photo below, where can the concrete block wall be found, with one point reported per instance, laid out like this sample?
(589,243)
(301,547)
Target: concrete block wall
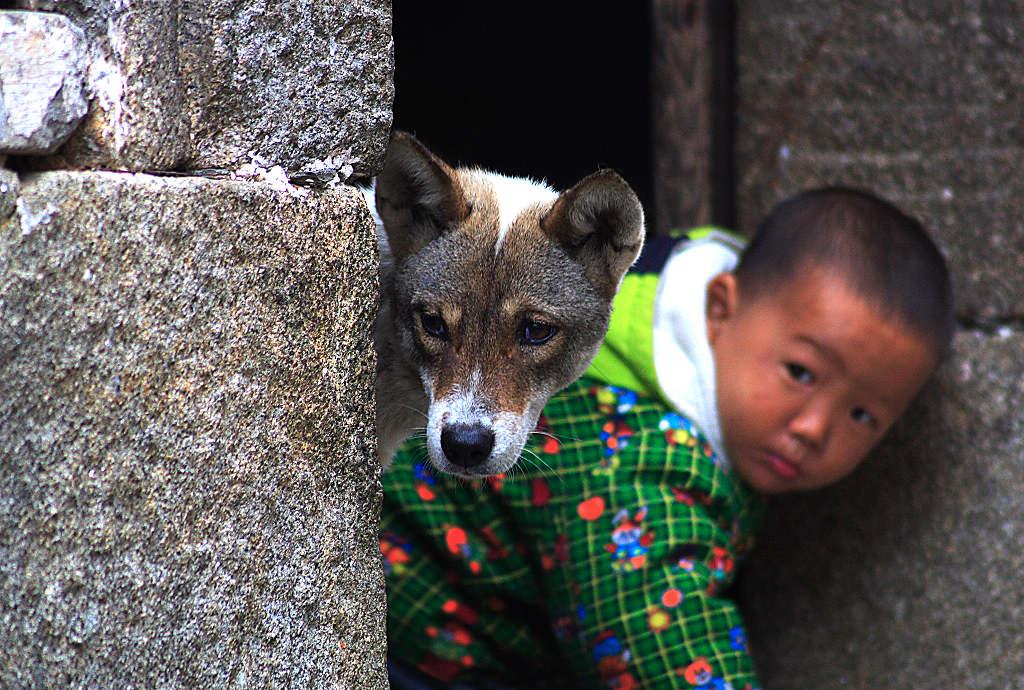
(189,490)
(907,574)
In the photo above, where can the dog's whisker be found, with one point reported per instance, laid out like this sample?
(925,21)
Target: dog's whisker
(413,409)
(420,448)
(551,470)
(539,470)
(559,439)
(520,468)
(537,461)
(527,460)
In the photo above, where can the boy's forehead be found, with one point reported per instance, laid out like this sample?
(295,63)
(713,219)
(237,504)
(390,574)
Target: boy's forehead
(818,297)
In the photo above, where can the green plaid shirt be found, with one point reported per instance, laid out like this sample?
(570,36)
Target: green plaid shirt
(599,561)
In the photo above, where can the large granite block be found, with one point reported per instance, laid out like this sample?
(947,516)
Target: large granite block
(908,573)
(188,479)
(918,101)
(195,85)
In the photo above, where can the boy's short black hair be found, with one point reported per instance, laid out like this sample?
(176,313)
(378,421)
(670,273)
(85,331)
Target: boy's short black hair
(882,254)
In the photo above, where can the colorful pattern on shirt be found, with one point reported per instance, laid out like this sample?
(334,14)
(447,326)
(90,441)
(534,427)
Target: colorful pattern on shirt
(599,561)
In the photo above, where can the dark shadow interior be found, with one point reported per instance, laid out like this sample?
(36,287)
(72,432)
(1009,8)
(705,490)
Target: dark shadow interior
(549,90)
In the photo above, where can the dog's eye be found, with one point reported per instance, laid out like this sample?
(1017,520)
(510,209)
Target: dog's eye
(434,325)
(536,333)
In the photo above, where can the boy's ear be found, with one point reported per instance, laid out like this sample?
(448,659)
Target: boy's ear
(417,196)
(600,223)
(721,302)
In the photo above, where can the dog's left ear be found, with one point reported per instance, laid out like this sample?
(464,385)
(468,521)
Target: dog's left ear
(600,222)
(417,196)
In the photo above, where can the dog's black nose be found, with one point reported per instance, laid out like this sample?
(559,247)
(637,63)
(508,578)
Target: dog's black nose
(467,445)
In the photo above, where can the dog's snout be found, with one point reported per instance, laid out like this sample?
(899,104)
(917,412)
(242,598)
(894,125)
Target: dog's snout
(467,445)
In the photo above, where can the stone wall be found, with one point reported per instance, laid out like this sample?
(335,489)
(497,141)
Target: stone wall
(907,574)
(189,490)
(194,85)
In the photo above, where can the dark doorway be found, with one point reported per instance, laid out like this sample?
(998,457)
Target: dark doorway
(552,90)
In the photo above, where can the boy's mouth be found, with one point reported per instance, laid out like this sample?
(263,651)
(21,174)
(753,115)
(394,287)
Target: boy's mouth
(781,466)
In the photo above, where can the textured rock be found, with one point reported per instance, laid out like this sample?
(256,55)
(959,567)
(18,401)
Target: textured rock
(138,117)
(295,82)
(921,101)
(9,185)
(188,496)
(42,81)
(184,84)
(907,574)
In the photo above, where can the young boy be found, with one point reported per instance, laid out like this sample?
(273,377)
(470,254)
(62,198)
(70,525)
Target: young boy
(602,560)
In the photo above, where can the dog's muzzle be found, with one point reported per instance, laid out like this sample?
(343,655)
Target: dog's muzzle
(467,445)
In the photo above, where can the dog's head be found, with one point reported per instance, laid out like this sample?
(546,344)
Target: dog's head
(500,291)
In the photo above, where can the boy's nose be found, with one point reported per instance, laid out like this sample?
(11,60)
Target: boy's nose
(811,424)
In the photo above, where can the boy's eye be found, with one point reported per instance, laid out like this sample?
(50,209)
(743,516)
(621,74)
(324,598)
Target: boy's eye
(862,416)
(434,325)
(536,333)
(799,373)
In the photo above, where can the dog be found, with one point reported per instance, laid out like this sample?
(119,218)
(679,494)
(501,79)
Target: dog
(495,294)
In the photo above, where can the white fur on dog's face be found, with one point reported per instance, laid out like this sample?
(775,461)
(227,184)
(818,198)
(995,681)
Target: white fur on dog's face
(514,195)
(468,405)
(496,293)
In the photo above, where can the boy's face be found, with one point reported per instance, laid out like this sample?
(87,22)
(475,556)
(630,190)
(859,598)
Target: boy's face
(808,379)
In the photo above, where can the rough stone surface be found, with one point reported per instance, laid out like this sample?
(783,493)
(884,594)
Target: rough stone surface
(188,496)
(42,81)
(294,81)
(138,117)
(920,101)
(191,85)
(9,185)
(908,573)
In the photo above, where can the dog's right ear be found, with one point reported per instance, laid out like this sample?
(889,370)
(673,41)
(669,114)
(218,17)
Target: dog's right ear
(600,222)
(417,196)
